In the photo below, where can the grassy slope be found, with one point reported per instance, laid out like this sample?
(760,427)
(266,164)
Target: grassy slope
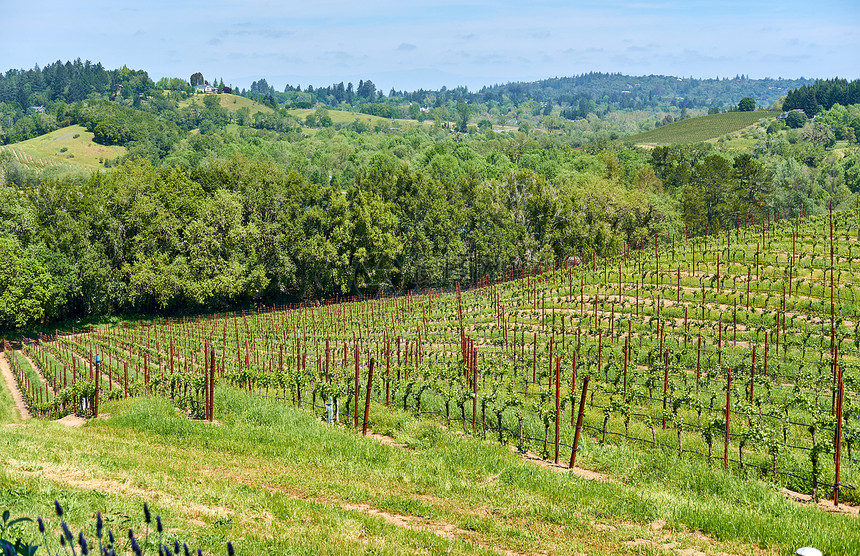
(81,151)
(343,116)
(273,479)
(8,413)
(701,128)
(231,103)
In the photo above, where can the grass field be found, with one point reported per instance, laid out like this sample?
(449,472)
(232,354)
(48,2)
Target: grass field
(48,150)
(346,117)
(699,129)
(275,480)
(231,103)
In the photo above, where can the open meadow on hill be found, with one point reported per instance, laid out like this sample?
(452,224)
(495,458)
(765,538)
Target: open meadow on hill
(71,146)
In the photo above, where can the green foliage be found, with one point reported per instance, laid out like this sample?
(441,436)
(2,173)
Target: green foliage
(795,119)
(26,287)
(747,104)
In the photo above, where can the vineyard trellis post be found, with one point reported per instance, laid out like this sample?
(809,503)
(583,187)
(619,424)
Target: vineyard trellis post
(728,416)
(557,403)
(211,400)
(355,390)
(576,434)
(840,394)
(367,399)
(98,381)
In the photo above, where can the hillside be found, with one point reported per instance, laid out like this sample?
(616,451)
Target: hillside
(230,102)
(699,129)
(347,117)
(71,145)
(700,367)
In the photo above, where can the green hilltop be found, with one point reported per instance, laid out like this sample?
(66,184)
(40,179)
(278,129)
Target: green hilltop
(71,146)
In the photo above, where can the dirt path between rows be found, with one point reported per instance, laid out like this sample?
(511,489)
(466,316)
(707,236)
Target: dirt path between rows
(9,378)
(824,504)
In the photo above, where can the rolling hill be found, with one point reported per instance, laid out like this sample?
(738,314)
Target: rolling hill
(231,103)
(698,129)
(72,145)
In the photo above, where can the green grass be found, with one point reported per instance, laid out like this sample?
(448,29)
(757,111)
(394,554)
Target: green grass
(698,129)
(8,413)
(230,102)
(273,479)
(342,116)
(81,150)
(346,117)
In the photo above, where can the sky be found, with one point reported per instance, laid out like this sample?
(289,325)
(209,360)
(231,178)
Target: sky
(409,45)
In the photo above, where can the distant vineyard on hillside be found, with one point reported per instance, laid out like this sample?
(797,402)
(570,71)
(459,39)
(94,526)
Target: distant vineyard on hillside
(702,128)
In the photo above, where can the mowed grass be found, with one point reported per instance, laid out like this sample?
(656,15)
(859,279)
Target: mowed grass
(700,128)
(80,149)
(274,479)
(8,413)
(230,102)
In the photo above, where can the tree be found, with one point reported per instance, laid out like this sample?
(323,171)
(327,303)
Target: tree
(796,119)
(25,287)
(747,104)
(366,91)
(211,102)
(197,79)
(463,111)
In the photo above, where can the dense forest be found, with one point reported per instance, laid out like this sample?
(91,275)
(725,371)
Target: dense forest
(212,207)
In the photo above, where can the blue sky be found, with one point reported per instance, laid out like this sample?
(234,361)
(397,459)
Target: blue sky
(435,43)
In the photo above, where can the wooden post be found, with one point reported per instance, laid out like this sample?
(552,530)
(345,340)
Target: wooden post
(98,380)
(665,383)
(387,370)
(367,399)
(752,376)
(579,421)
(211,383)
(840,393)
(728,413)
(572,390)
(626,350)
(355,391)
(557,403)
(474,389)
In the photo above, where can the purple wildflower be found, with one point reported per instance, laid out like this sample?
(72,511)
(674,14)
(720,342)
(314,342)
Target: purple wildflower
(66,532)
